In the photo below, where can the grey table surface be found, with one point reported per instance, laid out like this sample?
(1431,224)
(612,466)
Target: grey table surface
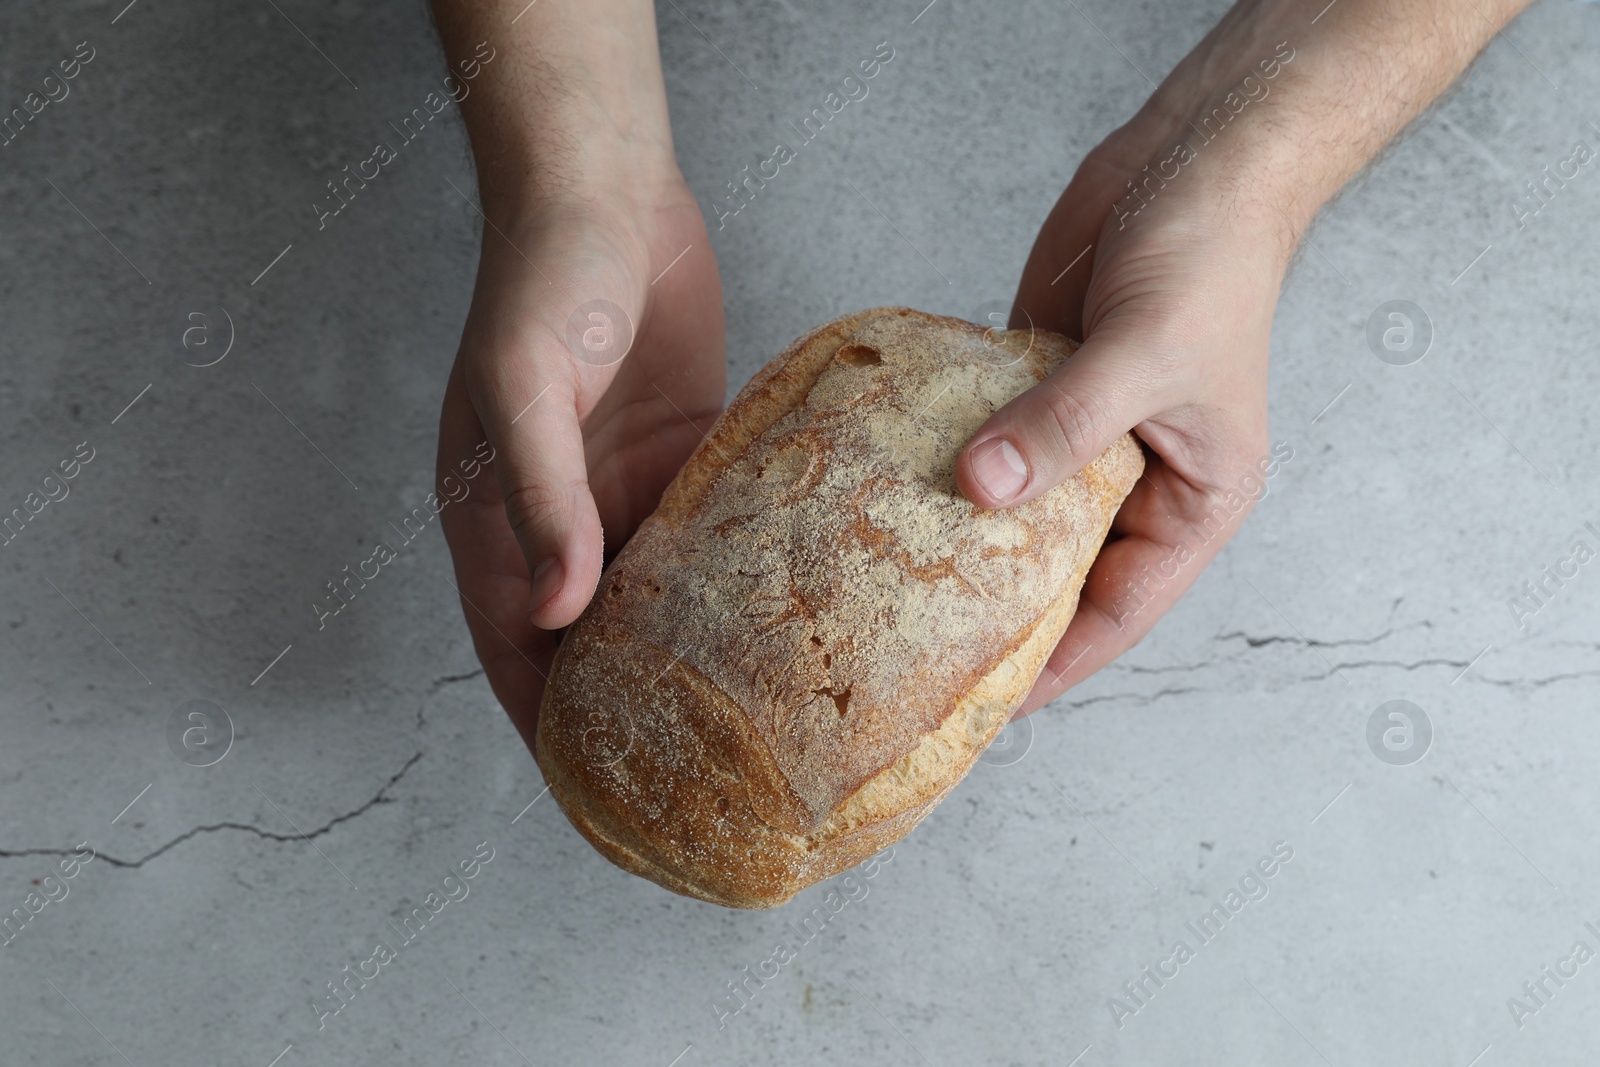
(367,759)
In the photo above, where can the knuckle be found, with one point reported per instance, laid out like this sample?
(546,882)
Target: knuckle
(536,511)
(1074,422)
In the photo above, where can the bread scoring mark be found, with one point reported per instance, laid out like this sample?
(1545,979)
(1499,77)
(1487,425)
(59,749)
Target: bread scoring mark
(841,699)
(770,396)
(859,355)
(921,778)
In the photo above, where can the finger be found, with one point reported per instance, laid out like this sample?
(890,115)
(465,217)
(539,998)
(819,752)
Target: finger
(1052,431)
(491,574)
(1164,536)
(526,396)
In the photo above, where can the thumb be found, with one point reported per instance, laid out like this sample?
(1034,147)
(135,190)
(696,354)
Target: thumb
(1048,434)
(528,401)
(545,483)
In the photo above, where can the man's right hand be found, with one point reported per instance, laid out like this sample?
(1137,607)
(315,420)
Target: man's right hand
(592,357)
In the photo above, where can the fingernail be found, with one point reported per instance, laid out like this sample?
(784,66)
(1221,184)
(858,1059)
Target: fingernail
(999,468)
(546,581)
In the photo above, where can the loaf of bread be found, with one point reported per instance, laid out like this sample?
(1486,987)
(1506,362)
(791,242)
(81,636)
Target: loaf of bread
(815,635)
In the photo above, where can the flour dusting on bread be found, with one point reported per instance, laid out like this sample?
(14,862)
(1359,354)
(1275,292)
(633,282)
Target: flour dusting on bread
(815,635)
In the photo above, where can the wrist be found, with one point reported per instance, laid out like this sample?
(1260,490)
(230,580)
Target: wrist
(578,165)
(1280,111)
(1198,182)
(574,109)
(574,149)
(1240,121)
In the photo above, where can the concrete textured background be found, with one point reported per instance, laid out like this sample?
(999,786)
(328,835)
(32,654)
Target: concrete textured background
(371,756)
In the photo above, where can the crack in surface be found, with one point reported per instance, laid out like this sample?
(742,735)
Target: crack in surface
(1132,668)
(1312,642)
(1142,698)
(444,680)
(1534,683)
(1249,641)
(1274,639)
(438,684)
(377,798)
(1255,641)
(1403,665)
(1537,683)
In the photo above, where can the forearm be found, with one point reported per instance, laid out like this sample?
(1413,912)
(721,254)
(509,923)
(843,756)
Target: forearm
(1281,112)
(573,97)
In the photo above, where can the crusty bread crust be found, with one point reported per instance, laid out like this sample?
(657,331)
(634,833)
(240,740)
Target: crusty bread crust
(813,638)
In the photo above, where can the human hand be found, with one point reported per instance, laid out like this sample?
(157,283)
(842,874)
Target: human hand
(1185,220)
(1173,291)
(583,446)
(591,361)
(1176,310)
